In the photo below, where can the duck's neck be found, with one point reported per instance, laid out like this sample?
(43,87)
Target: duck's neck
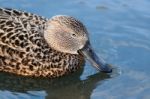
(62,60)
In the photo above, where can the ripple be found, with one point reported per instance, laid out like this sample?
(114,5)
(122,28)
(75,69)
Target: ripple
(116,71)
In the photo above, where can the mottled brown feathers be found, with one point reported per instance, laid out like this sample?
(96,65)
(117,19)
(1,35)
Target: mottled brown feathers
(24,51)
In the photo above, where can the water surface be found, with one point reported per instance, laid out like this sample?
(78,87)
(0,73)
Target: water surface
(119,32)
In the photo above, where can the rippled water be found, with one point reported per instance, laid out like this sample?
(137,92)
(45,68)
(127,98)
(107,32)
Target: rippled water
(119,32)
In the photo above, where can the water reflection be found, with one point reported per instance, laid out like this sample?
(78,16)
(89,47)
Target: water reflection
(67,87)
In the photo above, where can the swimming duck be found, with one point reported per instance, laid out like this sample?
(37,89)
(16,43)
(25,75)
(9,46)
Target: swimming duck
(31,45)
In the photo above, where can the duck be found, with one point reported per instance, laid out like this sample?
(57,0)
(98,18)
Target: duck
(32,45)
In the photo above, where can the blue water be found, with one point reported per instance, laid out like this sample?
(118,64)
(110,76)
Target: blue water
(119,32)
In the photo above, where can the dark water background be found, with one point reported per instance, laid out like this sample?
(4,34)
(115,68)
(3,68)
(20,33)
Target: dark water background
(119,32)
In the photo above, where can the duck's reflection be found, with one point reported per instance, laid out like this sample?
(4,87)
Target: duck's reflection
(67,87)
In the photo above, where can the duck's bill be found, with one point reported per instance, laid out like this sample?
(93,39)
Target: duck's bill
(96,61)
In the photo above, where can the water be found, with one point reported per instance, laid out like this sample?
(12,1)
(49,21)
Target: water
(119,32)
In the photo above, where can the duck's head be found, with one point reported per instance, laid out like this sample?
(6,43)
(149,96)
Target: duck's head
(68,35)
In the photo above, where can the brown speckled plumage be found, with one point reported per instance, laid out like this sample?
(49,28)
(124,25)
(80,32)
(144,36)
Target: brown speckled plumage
(24,51)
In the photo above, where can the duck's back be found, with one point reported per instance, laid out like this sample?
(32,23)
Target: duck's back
(23,49)
(17,28)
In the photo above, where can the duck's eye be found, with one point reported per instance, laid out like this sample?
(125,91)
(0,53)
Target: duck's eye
(74,35)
